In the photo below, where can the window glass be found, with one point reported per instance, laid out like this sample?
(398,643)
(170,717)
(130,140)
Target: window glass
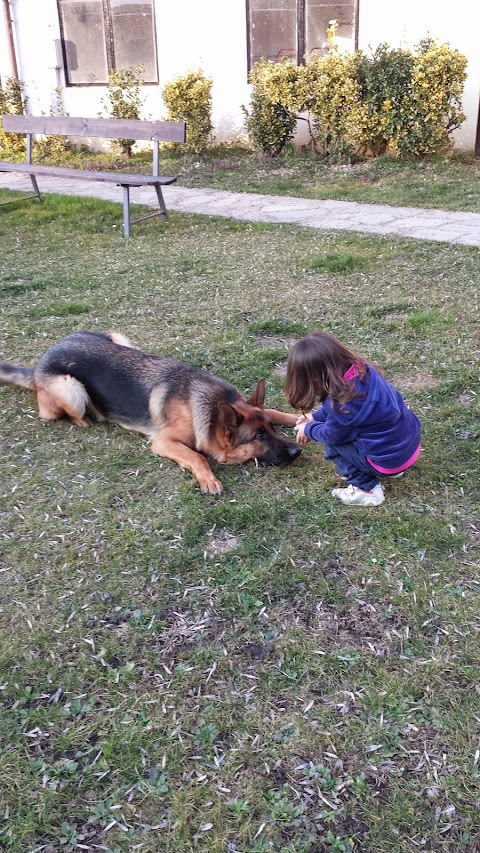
(318,16)
(84,41)
(273,29)
(133,36)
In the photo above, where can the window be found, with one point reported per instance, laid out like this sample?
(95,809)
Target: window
(293,28)
(99,36)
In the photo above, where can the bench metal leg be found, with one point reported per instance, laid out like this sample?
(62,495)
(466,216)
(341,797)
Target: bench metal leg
(127,222)
(161,203)
(26,197)
(126,210)
(35,187)
(161,212)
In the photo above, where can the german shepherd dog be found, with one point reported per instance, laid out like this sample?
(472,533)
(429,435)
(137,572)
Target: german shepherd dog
(188,413)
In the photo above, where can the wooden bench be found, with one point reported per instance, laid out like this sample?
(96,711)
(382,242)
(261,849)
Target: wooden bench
(99,128)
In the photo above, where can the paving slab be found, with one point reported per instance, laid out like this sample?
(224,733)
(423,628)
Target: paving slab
(380,219)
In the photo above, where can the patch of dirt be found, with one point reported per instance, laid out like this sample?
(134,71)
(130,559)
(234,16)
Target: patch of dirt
(351,168)
(420,380)
(360,627)
(222,543)
(187,629)
(257,651)
(466,434)
(271,341)
(467,398)
(280,368)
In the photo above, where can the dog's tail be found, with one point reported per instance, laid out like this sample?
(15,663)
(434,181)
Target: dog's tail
(121,340)
(11,374)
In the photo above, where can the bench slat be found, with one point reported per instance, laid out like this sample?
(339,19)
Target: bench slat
(104,128)
(86,175)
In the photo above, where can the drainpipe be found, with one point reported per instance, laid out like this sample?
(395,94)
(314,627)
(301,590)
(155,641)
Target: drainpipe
(7,26)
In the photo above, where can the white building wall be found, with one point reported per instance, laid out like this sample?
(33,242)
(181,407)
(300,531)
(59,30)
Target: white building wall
(211,34)
(34,32)
(190,34)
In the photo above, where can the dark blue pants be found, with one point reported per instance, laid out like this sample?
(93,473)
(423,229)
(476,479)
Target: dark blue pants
(351,463)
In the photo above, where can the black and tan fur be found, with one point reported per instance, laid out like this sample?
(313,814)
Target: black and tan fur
(188,413)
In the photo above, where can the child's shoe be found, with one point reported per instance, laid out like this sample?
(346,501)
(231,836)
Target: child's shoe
(353,496)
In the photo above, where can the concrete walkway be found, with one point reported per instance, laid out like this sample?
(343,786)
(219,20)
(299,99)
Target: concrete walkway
(379,219)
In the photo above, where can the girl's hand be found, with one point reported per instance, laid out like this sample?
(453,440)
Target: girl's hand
(300,430)
(304,419)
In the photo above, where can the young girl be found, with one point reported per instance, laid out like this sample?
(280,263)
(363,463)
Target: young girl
(366,428)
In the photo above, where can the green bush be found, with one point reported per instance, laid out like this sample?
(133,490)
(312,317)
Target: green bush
(434,110)
(271,120)
(189,99)
(330,90)
(396,99)
(386,88)
(124,99)
(54,147)
(12,102)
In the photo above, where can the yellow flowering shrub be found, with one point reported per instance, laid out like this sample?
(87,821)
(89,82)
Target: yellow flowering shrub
(13,102)
(189,98)
(434,109)
(397,99)
(271,119)
(329,88)
(124,100)
(385,79)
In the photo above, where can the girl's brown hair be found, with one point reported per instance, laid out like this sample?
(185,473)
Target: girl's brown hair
(315,369)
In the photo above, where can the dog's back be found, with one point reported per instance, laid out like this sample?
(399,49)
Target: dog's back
(120,380)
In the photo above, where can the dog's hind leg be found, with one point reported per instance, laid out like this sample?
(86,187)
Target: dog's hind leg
(164,444)
(60,396)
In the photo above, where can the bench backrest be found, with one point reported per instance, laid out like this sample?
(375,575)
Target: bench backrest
(100,128)
(103,128)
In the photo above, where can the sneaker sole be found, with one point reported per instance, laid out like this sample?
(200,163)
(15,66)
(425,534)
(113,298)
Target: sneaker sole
(367,500)
(362,502)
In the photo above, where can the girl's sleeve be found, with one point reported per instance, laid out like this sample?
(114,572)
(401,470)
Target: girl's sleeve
(320,415)
(330,431)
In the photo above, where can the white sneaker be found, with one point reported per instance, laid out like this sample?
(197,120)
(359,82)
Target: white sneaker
(354,496)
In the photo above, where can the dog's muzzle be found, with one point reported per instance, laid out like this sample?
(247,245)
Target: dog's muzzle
(280,456)
(293,453)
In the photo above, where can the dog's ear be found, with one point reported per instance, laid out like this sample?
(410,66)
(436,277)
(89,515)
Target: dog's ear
(258,397)
(229,419)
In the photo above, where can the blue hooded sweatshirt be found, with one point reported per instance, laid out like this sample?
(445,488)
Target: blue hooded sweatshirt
(377,422)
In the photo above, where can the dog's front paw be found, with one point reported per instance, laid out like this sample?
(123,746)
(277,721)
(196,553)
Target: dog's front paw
(210,486)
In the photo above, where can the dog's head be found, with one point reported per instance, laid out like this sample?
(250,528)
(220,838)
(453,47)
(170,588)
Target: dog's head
(244,433)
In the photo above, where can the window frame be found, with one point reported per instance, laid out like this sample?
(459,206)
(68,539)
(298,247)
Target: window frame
(109,46)
(301,31)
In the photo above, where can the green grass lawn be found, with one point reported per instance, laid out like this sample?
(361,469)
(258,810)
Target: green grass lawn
(450,182)
(263,671)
